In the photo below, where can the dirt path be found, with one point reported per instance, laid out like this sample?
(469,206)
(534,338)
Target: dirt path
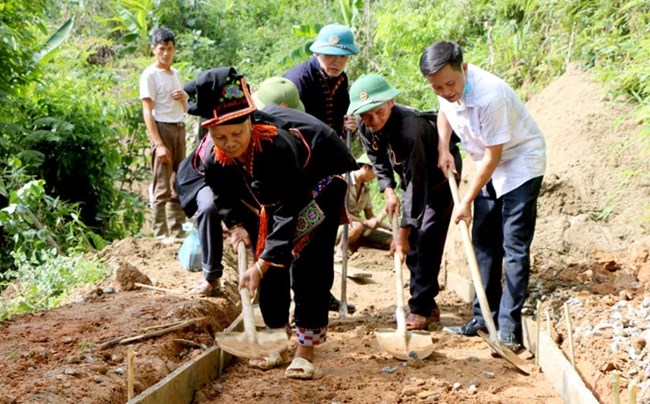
(354,369)
(54,356)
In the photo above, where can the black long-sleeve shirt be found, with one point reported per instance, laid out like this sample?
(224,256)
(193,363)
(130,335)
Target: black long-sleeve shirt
(283,177)
(408,146)
(324,97)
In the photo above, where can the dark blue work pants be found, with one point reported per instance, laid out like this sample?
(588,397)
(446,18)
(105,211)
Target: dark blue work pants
(502,233)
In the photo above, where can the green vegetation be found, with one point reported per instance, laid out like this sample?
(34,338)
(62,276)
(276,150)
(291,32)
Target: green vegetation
(72,141)
(46,286)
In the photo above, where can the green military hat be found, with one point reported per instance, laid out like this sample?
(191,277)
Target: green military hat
(280,91)
(368,92)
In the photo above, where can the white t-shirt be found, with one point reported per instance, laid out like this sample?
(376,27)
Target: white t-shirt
(158,84)
(492,114)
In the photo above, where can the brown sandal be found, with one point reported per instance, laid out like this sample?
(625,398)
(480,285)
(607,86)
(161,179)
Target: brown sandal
(418,322)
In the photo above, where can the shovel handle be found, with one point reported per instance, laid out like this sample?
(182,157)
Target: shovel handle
(343,306)
(399,283)
(473,263)
(246,305)
(242,263)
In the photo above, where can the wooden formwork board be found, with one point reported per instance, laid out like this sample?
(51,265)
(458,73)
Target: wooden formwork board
(556,367)
(180,385)
(460,286)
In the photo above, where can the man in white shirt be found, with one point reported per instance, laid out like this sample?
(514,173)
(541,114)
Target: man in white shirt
(500,135)
(163,107)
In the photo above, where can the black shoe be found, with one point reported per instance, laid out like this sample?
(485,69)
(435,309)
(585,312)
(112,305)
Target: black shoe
(508,340)
(469,330)
(335,305)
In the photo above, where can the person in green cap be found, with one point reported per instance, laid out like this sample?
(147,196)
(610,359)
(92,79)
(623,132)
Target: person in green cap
(402,140)
(367,230)
(322,81)
(323,87)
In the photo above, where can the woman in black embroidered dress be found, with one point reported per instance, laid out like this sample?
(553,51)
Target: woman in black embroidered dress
(264,172)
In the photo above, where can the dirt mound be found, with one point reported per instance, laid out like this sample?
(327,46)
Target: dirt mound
(597,185)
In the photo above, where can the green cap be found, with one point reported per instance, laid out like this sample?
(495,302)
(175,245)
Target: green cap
(363,160)
(335,39)
(280,91)
(368,92)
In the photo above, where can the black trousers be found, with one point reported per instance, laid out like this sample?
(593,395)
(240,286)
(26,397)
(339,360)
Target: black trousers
(427,244)
(208,223)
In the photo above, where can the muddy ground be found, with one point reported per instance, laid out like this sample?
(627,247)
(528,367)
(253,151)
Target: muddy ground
(590,252)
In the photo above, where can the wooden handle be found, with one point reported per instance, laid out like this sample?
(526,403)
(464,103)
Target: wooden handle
(380,218)
(399,283)
(473,263)
(242,263)
(246,305)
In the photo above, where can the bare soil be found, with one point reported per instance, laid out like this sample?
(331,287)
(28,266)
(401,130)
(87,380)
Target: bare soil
(591,252)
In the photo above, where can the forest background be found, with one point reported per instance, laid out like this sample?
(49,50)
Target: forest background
(73,147)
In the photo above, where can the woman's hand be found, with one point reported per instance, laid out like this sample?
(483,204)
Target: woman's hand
(237,234)
(252,277)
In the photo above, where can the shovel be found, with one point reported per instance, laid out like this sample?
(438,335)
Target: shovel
(491,338)
(401,343)
(251,343)
(343,307)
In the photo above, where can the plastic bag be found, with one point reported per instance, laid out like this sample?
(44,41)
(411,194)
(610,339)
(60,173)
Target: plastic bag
(190,252)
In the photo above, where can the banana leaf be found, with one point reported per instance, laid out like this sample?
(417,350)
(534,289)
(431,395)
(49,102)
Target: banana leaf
(53,42)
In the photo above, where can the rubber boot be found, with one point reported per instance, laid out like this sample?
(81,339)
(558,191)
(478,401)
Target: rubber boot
(175,219)
(159,221)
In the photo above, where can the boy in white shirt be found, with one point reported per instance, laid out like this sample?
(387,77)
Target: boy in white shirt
(164,104)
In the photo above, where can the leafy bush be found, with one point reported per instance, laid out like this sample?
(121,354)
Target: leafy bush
(70,126)
(46,286)
(20,23)
(131,21)
(37,226)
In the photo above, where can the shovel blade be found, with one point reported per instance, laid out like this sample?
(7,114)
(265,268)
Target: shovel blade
(265,343)
(506,354)
(399,344)
(353,273)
